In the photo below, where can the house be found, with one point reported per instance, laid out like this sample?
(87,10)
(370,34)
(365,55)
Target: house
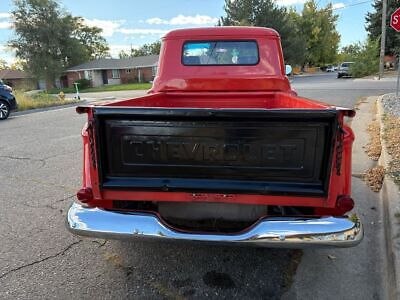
(390,61)
(18,79)
(113,71)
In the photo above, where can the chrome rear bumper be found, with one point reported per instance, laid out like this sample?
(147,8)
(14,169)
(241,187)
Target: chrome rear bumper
(269,232)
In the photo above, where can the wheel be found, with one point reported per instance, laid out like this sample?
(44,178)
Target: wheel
(339,75)
(4,110)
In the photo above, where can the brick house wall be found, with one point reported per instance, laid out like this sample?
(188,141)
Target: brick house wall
(21,83)
(74,76)
(126,76)
(132,75)
(147,74)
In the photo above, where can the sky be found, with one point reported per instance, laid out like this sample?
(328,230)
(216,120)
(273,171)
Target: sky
(132,23)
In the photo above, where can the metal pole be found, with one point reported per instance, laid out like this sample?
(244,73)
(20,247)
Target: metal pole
(383,39)
(398,77)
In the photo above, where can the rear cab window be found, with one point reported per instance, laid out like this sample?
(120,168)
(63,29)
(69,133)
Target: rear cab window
(224,53)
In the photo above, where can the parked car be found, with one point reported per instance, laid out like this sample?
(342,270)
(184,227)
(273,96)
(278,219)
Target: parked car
(330,69)
(7,101)
(344,69)
(221,150)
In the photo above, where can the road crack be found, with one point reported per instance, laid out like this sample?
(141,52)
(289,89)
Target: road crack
(42,161)
(40,182)
(60,253)
(50,205)
(100,244)
(62,154)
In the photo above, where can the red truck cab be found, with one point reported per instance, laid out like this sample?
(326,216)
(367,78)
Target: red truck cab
(220,150)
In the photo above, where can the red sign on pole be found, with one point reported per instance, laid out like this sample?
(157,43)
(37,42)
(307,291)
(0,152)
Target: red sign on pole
(395,20)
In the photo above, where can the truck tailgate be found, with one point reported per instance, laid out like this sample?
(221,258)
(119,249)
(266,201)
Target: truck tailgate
(252,151)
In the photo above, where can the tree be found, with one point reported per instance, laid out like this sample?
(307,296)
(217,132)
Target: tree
(295,48)
(374,23)
(18,65)
(145,50)
(365,57)
(123,54)
(95,45)
(3,64)
(266,13)
(49,39)
(150,49)
(349,52)
(318,26)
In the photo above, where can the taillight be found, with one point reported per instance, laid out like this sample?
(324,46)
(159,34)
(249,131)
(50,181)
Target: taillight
(84,195)
(345,203)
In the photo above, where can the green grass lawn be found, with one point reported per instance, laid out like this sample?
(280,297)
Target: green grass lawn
(39,100)
(105,88)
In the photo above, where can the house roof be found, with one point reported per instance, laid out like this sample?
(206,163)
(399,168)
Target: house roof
(114,63)
(13,74)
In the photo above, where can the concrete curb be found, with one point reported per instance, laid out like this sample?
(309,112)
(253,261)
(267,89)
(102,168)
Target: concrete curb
(388,195)
(82,101)
(35,110)
(386,79)
(309,74)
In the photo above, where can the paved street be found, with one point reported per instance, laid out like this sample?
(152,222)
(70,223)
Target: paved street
(40,172)
(342,92)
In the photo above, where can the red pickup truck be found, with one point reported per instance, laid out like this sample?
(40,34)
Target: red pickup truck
(220,150)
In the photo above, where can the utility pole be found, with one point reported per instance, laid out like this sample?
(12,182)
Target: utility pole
(383,39)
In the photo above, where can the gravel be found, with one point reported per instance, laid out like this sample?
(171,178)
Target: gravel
(391,104)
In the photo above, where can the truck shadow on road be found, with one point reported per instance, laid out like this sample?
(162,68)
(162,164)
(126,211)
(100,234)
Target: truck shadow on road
(176,270)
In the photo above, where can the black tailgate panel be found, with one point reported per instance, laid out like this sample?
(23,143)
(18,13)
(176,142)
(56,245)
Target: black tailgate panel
(264,152)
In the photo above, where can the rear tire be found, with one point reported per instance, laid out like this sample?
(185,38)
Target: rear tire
(339,75)
(4,110)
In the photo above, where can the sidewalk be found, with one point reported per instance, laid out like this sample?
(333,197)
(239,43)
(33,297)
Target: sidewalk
(390,193)
(363,272)
(375,78)
(112,95)
(319,73)
(390,76)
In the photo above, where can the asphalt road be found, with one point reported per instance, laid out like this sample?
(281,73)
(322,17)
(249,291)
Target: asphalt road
(40,172)
(341,92)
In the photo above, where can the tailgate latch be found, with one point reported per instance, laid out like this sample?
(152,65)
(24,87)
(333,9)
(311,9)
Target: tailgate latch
(90,131)
(339,149)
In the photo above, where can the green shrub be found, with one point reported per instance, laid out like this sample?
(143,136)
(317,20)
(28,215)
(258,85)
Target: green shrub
(83,84)
(366,60)
(132,80)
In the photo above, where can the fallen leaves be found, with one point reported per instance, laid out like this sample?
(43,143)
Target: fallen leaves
(374,178)
(374,147)
(114,259)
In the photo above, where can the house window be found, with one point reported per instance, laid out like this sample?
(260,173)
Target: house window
(128,70)
(115,74)
(154,71)
(88,75)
